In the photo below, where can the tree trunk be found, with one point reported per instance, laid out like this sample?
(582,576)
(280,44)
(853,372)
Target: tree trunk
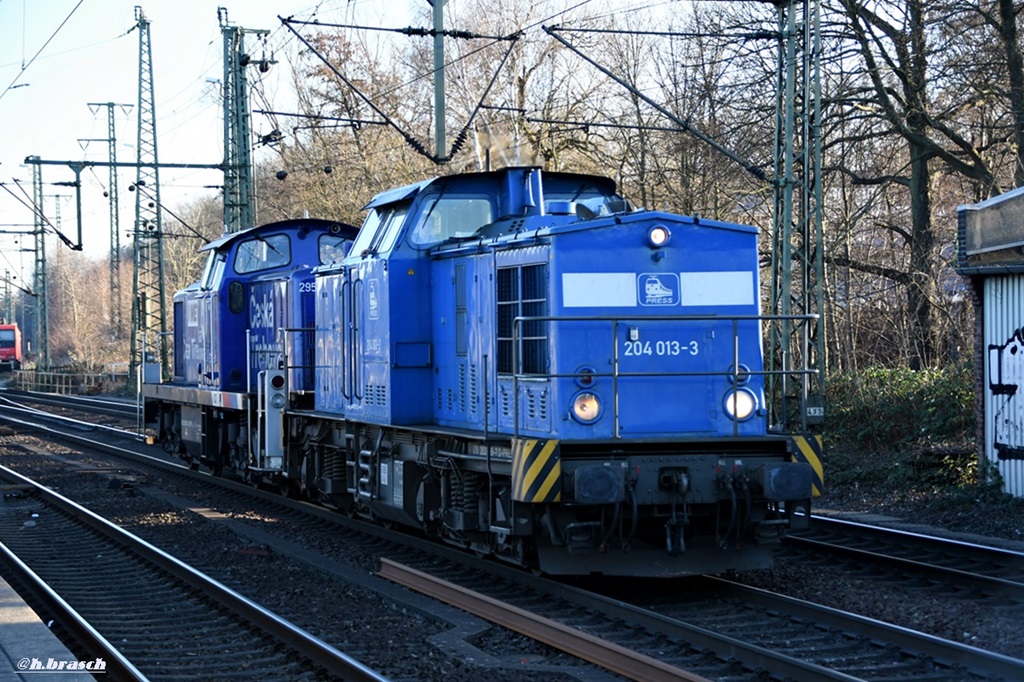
(919,306)
(1015,62)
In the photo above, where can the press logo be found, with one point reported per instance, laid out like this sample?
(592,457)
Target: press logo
(658,289)
(55,665)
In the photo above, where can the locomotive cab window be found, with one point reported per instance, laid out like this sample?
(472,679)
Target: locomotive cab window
(213,271)
(6,338)
(450,217)
(263,253)
(332,249)
(588,199)
(380,229)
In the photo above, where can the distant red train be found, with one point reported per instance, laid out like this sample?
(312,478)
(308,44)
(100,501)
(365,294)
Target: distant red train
(10,346)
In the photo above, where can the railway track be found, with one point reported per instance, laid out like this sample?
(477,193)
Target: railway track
(121,409)
(957,568)
(713,628)
(752,632)
(169,621)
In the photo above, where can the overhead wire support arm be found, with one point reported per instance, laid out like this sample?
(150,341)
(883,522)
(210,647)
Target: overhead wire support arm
(353,122)
(585,125)
(754,35)
(748,165)
(409,30)
(78,166)
(9,282)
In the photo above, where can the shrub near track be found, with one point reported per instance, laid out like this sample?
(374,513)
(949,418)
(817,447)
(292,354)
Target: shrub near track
(902,442)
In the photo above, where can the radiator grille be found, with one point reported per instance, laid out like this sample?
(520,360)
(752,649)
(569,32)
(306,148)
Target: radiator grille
(522,292)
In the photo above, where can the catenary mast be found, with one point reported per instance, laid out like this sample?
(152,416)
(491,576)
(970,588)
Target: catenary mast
(149,324)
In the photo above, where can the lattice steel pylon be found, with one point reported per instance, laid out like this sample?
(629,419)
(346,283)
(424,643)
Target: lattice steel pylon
(42,315)
(797,268)
(116,321)
(8,298)
(149,323)
(239,193)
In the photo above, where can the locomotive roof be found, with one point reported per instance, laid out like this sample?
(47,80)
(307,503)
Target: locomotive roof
(606,184)
(315,223)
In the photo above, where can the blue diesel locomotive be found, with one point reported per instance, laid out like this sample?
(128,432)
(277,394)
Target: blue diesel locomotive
(227,339)
(514,362)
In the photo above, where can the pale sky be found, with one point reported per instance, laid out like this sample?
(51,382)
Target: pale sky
(94,58)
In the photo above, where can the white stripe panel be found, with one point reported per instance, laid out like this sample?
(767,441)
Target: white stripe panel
(599,289)
(717,288)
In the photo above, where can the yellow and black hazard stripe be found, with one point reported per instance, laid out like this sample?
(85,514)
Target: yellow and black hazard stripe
(536,471)
(809,449)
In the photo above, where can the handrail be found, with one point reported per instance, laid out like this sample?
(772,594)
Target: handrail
(616,374)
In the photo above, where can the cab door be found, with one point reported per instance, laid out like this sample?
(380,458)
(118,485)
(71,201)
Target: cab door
(366,335)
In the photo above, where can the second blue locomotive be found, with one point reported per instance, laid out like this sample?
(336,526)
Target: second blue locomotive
(513,362)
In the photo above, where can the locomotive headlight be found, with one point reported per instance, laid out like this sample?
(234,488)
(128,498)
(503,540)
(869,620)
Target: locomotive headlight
(658,236)
(277,401)
(740,404)
(586,407)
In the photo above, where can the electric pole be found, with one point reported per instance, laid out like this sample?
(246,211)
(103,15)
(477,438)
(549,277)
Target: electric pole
(8,300)
(440,140)
(239,192)
(116,322)
(39,296)
(797,279)
(149,324)
(797,260)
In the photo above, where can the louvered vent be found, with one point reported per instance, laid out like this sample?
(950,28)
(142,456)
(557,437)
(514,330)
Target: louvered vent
(474,395)
(462,386)
(537,405)
(505,402)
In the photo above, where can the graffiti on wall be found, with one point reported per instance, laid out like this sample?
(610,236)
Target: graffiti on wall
(1006,382)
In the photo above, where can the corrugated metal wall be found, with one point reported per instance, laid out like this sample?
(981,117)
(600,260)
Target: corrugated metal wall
(1004,372)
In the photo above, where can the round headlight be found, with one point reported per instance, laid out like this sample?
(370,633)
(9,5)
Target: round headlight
(277,401)
(740,404)
(586,407)
(658,236)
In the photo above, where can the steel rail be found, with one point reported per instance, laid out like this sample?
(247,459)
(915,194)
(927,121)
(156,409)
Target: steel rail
(119,667)
(78,423)
(818,520)
(599,651)
(117,408)
(998,666)
(282,630)
(980,554)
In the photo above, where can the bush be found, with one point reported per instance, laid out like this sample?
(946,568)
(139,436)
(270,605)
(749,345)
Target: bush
(902,434)
(900,409)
